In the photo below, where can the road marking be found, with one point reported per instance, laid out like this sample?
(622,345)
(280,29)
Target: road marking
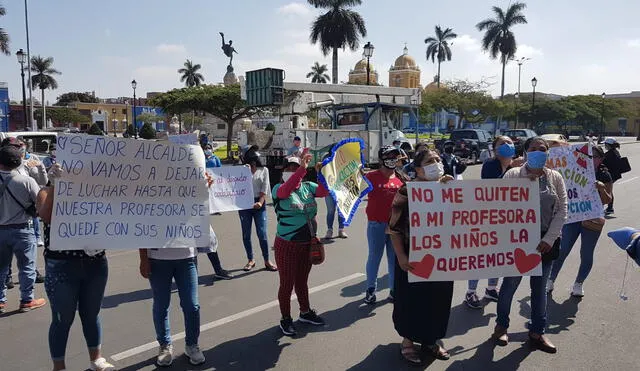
(629,180)
(234,317)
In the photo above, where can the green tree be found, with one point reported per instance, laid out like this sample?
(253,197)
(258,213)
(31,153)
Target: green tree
(131,131)
(147,131)
(438,47)
(469,100)
(43,79)
(149,118)
(4,36)
(338,28)
(270,127)
(190,75)
(498,38)
(72,97)
(223,102)
(63,115)
(318,73)
(95,130)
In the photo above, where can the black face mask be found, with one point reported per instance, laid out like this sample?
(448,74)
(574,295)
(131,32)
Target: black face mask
(448,149)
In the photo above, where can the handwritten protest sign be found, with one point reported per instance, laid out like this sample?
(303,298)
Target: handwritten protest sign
(232,189)
(474,229)
(190,138)
(121,193)
(576,166)
(341,175)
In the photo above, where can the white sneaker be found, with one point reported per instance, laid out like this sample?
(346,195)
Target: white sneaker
(341,234)
(577,290)
(329,234)
(165,355)
(549,286)
(101,364)
(194,354)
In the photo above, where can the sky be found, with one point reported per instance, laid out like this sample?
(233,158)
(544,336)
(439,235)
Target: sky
(576,47)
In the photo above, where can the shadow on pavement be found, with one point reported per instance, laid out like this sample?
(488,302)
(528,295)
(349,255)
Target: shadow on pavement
(112,301)
(560,316)
(463,319)
(483,357)
(359,288)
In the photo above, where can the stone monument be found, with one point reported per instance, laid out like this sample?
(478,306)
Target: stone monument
(228,49)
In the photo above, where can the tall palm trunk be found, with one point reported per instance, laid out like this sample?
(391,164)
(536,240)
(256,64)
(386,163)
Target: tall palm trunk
(44,111)
(504,64)
(334,73)
(438,74)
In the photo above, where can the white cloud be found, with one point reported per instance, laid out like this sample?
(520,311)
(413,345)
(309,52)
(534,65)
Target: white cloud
(171,48)
(298,9)
(302,49)
(528,51)
(467,43)
(633,43)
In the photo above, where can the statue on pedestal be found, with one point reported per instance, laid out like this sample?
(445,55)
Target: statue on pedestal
(228,49)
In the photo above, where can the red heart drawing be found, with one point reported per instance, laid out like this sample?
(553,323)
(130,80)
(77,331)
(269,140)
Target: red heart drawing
(424,267)
(524,262)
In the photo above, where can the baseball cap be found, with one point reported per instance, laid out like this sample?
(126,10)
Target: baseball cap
(12,141)
(297,138)
(622,236)
(293,160)
(610,140)
(387,150)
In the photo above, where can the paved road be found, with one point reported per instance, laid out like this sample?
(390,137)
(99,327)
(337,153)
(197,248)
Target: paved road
(240,316)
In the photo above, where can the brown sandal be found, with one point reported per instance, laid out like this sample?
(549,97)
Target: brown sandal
(270,266)
(249,266)
(411,355)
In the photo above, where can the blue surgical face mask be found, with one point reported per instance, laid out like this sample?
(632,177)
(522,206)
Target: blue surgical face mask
(536,159)
(208,153)
(506,150)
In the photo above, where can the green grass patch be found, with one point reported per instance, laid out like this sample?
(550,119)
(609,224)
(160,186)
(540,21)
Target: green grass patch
(221,151)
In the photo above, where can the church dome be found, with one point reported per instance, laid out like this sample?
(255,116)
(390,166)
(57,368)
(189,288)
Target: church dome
(405,61)
(362,66)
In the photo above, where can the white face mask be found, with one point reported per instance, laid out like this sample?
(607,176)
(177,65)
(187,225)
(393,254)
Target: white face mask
(286,176)
(433,171)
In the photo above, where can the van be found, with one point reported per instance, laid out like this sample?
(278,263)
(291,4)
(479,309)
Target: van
(38,142)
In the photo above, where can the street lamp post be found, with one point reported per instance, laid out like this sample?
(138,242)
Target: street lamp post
(520,61)
(113,121)
(602,116)
(368,52)
(22,59)
(134,84)
(517,98)
(534,82)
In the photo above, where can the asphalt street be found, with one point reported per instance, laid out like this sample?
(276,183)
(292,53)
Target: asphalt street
(240,316)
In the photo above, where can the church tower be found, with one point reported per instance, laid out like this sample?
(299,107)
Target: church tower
(404,73)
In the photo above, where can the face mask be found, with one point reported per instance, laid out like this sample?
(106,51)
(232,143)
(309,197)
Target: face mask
(448,150)
(536,159)
(506,150)
(286,176)
(390,163)
(208,153)
(434,171)
(397,146)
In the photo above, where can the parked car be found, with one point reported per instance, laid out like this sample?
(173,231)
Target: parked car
(554,138)
(38,142)
(519,136)
(576,136)
(470,143)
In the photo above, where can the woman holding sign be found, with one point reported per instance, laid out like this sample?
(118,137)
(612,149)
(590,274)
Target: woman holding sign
(296,208)
(75,281)
(421,310)
(589,231)
(553,214)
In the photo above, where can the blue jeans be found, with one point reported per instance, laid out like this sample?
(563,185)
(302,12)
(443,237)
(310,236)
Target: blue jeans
(75,284)
(473,284)
(185,273)
(331,213)
(588,241)
(259,217)
(538,299)
(378,240)
(20,242)
(215,262)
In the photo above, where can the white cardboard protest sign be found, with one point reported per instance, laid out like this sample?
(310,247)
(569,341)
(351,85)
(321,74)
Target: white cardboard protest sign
(232,189)
(474,229)
(119,193)
(190,138)
(576,166)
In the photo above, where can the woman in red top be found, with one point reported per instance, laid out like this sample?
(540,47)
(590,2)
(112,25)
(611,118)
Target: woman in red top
(385,185)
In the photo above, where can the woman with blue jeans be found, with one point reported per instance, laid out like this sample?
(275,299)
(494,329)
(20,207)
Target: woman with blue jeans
(588,234)
(331,216)
(553,214)
(257,214)
(75,280)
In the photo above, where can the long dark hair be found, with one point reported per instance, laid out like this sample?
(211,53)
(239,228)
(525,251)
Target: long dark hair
(528,142)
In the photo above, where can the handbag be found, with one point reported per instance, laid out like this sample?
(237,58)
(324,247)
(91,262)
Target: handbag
(554,253)
(316,247)
(595,225)
(623,165)
(605,198)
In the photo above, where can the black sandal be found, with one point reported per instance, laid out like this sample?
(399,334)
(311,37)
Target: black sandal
(411,355)
(438,352)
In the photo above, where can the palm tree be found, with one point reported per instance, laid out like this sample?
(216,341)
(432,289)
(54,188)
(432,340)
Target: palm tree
(336,29)
(318,73)
(190,75)
(43,79)
(498,38)
(4,37)
(438,47)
